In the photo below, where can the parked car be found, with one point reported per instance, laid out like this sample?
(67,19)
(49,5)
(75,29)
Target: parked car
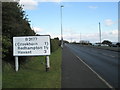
(113,45)
(104,45)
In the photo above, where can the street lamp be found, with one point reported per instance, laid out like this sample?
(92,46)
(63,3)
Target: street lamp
(100,33)
(61,26)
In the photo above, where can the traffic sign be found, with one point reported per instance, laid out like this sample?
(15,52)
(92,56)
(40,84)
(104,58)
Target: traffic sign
(31,45)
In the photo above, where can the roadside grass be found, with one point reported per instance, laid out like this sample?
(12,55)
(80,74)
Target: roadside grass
(0,80)
(33,74)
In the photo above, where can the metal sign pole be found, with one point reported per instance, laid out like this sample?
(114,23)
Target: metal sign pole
(47,63)
(16,63)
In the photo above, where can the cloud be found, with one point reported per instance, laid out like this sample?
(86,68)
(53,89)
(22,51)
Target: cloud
(109,22)
(32,4)
(54,35)
(42,31)
(53,0)
(111,35)
(93,7)
(92,37)
(29,4)
(78,0)
(66,0)
(113,32)
(38,29)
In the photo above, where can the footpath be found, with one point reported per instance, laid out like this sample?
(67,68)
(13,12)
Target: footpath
(75,74)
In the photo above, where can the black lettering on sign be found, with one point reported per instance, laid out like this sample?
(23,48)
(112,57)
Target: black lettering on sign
(31,39)
(45,47)
(45,51)
(46,43)
(26,39)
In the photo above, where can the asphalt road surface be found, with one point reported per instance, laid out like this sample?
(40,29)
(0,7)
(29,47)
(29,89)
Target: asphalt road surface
(102,70)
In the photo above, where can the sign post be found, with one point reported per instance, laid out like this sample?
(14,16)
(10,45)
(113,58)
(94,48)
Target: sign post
(31,46)
(47,63)
(16,63)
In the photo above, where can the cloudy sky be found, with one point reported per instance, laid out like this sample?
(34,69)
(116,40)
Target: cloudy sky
(80,19)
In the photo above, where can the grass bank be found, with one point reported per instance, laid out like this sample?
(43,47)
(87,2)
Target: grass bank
(33,74)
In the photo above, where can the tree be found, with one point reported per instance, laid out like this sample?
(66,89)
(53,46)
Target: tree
(107,42)
(83,42)
(56,38)
(65,41)
(55,44)
(118,44)
(14,23)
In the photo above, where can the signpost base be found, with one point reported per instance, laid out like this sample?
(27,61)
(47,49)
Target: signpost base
(47,69)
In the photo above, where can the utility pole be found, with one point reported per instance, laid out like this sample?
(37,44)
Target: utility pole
(100,33)
(71,39)
(80,37)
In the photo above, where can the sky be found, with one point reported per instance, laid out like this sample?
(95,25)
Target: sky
(80,20)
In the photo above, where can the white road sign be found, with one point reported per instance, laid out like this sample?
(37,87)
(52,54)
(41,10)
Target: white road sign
(31,45)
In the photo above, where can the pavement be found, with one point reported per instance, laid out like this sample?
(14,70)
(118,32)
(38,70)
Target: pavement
(75,74)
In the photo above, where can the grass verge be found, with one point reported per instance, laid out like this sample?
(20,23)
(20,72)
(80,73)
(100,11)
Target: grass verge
(33,74)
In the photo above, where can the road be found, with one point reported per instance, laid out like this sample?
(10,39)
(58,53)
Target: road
(103,62)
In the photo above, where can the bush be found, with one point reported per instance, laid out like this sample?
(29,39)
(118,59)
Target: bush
(55,44)
(107,42)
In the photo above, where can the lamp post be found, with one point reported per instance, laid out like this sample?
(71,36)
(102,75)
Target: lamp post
(61,26)
(100,33)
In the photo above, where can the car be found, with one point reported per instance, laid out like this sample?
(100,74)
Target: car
(104,45)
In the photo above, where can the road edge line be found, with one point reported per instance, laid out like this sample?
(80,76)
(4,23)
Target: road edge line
(110,86)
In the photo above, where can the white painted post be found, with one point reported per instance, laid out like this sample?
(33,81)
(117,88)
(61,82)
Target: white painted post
(16,63)
(47,63)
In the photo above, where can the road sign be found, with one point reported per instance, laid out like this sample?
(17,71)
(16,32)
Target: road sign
(31,45)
